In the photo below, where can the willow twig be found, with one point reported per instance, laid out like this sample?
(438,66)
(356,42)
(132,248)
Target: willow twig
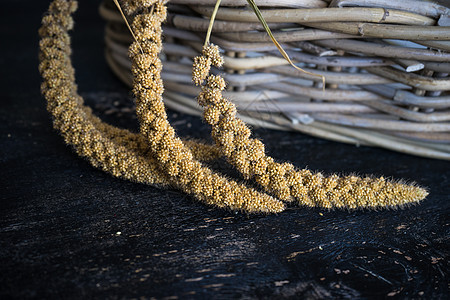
(285,55)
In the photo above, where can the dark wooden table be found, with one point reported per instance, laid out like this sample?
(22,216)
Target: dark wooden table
(68,230)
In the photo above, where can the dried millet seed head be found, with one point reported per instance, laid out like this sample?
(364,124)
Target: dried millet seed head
(200,69)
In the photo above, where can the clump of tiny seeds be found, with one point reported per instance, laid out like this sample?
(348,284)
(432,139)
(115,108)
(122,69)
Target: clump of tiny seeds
(283,180)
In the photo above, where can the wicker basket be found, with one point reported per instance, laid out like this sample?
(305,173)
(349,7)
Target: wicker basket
(386,64)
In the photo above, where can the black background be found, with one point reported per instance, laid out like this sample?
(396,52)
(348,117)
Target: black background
(68,230)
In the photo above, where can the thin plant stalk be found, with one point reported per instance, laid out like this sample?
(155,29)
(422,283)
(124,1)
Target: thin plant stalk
(211,22)
(116,2)
(267,29)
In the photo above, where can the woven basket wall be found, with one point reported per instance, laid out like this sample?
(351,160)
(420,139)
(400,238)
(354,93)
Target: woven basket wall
(386,64)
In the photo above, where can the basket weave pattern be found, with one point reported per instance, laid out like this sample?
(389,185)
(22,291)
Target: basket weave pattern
(386,65)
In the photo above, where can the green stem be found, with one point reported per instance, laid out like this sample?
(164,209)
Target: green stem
(211,22)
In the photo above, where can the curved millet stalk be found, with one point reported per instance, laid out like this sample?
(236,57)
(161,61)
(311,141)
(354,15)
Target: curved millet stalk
(173,156)
(232,136)
(124,155)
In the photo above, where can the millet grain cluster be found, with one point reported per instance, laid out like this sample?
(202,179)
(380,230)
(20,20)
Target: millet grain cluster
(232,137)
